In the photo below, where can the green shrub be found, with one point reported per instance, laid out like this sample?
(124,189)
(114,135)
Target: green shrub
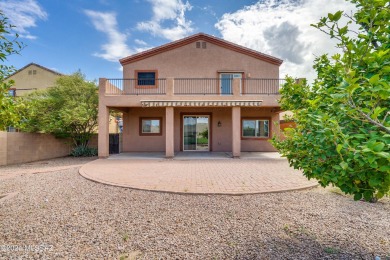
(82,151)
(342,134)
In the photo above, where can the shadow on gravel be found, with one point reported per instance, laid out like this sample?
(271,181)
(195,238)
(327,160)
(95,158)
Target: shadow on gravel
(300,245)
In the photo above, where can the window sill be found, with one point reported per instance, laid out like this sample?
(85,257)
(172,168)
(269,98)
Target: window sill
(255,138)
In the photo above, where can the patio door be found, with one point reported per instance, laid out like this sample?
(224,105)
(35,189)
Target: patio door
(226,82)
(196,133)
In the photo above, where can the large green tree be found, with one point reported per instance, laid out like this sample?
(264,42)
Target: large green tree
(343,119)
(9,45)
(68,109)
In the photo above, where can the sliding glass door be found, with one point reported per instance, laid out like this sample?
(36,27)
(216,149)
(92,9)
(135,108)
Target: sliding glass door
(196,133)
(226,82)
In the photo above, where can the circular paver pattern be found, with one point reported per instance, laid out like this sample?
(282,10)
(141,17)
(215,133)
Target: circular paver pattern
(232,176)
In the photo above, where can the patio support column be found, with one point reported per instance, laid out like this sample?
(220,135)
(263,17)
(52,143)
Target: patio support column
(169,132)
(236,132)
(103,117)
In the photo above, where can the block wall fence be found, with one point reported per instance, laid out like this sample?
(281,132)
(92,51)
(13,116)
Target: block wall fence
(29,147)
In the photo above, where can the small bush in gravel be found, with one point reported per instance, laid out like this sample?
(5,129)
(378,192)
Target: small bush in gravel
(82,151)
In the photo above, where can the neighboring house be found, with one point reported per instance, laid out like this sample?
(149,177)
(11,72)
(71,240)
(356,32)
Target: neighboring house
(32,77)
(199,93)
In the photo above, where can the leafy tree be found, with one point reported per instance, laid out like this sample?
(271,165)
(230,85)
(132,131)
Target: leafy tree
(343,123)
(8,45)
(205,133)
(69,109)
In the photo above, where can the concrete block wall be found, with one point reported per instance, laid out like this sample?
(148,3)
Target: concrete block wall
(93,142)
(3,148)
(28,147)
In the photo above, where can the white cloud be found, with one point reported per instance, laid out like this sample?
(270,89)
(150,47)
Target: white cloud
(282,29)
(105,22)
(140,42)
(23,14)
(164,11)
(142,46)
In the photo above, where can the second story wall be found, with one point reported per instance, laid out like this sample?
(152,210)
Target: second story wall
(202,59)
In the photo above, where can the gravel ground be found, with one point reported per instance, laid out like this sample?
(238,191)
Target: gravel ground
(59,214)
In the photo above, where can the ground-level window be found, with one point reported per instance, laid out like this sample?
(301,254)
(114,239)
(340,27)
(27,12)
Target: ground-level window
(255,128)
(150,126)
(146,78)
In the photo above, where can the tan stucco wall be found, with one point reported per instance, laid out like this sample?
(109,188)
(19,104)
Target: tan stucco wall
(3,148)
(132,141)
(29,147)
(41,80)
(191,62)
(221,137)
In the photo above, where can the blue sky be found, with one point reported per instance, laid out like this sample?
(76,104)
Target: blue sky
(92,35)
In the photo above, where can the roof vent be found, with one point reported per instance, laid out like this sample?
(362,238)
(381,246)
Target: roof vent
(203,45)
(198,45)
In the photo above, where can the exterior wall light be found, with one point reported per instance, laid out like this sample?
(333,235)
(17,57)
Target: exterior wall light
(219,124)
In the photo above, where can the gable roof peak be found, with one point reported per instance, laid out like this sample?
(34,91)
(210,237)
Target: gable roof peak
(196,37)
(35,64)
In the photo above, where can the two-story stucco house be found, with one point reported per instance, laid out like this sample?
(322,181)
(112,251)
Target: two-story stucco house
(200,93)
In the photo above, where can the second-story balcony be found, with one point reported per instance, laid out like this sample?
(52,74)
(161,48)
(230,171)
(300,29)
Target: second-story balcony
(193,86)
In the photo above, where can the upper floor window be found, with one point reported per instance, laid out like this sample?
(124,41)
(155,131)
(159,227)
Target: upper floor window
(146,78)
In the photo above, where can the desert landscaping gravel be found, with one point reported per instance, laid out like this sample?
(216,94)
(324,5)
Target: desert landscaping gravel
(60,215)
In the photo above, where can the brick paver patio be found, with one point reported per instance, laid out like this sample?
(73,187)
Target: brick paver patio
(229,176)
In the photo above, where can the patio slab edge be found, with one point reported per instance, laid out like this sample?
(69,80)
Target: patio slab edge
(87,176)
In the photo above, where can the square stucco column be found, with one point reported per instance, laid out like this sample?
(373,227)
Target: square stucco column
(104,119)
(169,132)
(236,132)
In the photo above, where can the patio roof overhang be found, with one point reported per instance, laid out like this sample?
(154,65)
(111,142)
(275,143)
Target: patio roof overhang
(201,103)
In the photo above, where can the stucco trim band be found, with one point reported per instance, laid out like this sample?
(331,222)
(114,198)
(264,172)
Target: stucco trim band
(201,103)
